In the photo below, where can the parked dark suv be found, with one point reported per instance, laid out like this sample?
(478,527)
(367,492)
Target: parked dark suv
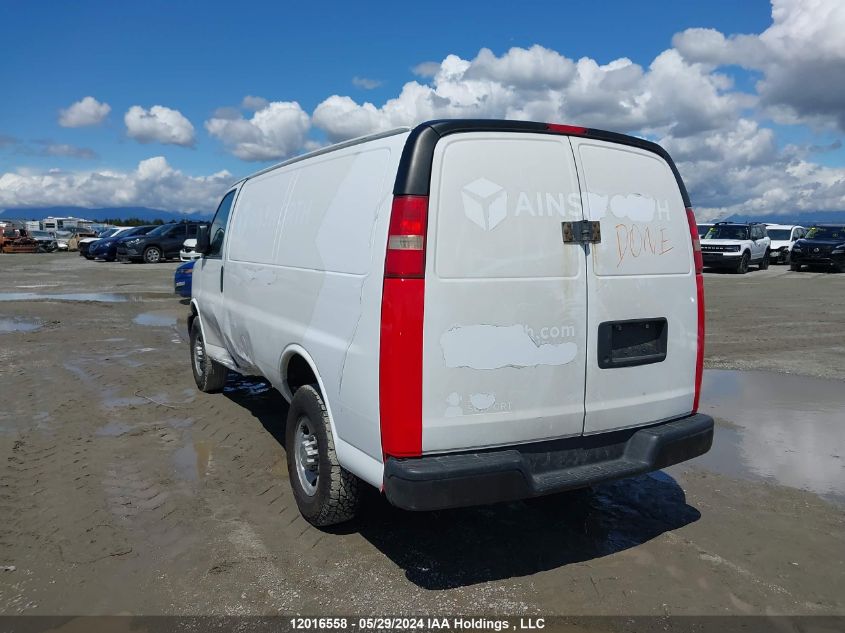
(106,247)
(824,245)
(160,244)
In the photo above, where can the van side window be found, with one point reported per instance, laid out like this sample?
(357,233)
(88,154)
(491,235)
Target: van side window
(192,230)
(218,225)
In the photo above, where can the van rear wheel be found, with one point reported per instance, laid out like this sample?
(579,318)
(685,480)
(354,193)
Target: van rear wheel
(209,375)
(325,492)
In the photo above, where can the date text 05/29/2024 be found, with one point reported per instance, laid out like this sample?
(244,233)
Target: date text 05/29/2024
(416,624)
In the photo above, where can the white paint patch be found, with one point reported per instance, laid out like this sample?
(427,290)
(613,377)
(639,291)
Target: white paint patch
(596,206)
(634,206)
(496,346)
(482,401)
(454,409)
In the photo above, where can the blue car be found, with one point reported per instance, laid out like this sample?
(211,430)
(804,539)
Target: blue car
(106,248)
(182,279)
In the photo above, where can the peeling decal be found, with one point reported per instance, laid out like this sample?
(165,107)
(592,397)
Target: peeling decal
(454,409)
(482,401)
(497,346)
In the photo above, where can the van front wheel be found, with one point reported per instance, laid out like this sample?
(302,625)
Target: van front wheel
(325,492)
(209,375)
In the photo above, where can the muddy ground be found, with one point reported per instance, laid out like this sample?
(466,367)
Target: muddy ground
(125,491)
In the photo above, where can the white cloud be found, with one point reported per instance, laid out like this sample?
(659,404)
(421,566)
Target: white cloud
(254,104)
(801,57)
(275,131)
(70,151)
(539,83)
(153,184)
(366,84)
(159,125)
(87,111)
(426,69)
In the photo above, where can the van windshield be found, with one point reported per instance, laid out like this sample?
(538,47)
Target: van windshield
(727,232)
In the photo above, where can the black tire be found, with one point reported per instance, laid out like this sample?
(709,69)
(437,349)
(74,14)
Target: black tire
(334,497)
(153,255)
(209,375)
(795,267)
(787,258)
(764,263)
(742,265)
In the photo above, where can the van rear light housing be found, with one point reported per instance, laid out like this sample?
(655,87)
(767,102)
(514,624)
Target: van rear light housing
(699,291)
(560,128)
(401,341)
(406,238)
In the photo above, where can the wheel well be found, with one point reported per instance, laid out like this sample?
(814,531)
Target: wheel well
(299,373)
(193,315)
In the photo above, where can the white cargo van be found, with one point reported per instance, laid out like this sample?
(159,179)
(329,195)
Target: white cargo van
(467,312)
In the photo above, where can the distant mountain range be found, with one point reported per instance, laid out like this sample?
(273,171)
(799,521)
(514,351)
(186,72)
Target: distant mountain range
(804,218)
(120,213)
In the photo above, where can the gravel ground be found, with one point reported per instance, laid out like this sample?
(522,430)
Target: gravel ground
(123,490)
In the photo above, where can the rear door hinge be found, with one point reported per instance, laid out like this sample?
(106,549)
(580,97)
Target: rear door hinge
(581,232)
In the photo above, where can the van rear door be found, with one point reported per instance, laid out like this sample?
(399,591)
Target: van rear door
(641,289)
(504,338)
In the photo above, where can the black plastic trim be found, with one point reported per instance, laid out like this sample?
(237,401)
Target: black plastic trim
(506,474)
(414,175)
(614,335)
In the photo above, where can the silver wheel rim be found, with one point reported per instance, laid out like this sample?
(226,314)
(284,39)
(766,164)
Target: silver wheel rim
(199,355)
(306,456)
(153,256)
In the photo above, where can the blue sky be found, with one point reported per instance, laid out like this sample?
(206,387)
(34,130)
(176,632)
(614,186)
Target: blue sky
(196,58)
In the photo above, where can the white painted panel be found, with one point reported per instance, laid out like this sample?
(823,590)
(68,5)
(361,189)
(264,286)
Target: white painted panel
(637,190)
(258,215)
(505,298)
(502,201)
(633,193)
(322,290)
(331,211)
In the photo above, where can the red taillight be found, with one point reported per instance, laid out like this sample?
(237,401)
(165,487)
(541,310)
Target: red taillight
(696,243)
(699,291)
(400,352)
(566,129)
(406,237)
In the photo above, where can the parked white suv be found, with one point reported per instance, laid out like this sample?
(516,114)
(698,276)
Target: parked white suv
(783,238)
(736,246)
(189,250)
(420,297)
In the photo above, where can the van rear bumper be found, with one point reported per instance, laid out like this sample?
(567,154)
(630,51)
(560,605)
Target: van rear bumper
(531,470)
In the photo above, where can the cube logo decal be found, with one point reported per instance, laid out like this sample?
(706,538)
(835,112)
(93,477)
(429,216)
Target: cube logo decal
(485,203)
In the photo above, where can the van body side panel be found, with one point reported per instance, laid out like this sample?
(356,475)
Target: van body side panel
(505,298)
(316,282)
(642,270)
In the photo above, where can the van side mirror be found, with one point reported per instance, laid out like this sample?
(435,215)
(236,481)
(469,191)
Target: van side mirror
(203,240)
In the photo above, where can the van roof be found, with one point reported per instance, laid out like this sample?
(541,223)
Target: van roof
(329,148)
(414,174)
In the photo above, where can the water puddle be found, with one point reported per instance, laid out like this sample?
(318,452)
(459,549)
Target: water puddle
(246,386)
(193,460)
(101,297)
(782,428)
(156,319)
(19,325)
